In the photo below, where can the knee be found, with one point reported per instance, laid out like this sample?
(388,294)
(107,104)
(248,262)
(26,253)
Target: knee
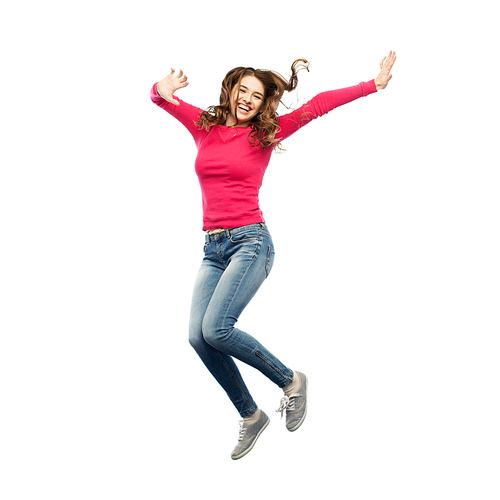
(196,339)
(213,332)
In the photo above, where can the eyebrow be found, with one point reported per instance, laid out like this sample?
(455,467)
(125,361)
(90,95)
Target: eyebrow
(246,88)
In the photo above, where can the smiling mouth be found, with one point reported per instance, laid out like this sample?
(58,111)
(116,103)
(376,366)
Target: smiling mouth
(244,108)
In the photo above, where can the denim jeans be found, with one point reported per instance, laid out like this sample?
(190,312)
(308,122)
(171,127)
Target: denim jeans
(235,265)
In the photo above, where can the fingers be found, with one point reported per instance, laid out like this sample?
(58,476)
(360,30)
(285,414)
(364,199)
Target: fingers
(389,61)
(181,77)
(173,82)
(385,70)
(392,57)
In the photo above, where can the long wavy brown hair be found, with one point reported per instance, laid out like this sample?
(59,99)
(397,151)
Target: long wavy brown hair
(265,125)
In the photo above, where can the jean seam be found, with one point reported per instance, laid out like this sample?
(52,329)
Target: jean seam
(253,238)
(269,251)
(271,365)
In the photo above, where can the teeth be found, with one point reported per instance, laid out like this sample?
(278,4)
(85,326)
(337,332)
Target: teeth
(244,108)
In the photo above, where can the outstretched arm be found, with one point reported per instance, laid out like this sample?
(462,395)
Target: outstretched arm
(327,101)
(162,95)
(170,84)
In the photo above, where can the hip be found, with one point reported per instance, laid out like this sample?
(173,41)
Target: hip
(246,243)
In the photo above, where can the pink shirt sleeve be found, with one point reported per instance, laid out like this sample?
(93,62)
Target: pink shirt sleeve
(187,114)
(320,105)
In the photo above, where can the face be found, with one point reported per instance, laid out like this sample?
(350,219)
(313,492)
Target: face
(246,101)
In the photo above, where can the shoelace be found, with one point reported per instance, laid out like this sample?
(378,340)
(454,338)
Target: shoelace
(287,403)
(242,431)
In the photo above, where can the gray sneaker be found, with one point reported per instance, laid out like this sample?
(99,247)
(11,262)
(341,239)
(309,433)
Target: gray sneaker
(249,435)
(295,405)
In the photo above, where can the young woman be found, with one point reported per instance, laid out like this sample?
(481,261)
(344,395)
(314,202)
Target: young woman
(235,141)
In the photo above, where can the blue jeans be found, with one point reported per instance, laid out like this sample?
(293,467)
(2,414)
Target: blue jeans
(235,265)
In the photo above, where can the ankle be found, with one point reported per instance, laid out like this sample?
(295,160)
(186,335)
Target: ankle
(293,386)
(252,419)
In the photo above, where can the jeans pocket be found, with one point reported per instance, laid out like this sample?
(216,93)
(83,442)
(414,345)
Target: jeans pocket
(244,233)
(270,260)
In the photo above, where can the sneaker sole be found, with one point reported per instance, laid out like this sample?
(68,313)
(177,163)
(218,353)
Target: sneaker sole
(305,413)
(241,455)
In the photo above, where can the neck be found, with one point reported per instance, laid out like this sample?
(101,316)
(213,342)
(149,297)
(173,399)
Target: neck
(231,122)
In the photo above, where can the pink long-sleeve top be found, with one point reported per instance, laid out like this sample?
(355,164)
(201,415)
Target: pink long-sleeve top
(230,170)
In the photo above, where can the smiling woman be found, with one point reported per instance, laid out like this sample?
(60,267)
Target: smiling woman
(239,250)
(244,86)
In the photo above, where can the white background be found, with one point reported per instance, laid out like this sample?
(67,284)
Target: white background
(385,289)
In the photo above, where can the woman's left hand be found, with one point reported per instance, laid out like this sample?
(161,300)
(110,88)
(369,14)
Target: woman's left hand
(385,70)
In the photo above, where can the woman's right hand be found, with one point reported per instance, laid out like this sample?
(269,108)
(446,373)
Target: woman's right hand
(171,84)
